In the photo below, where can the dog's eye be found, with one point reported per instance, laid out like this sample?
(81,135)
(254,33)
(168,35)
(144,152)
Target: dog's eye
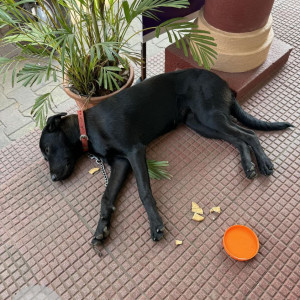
(47,150)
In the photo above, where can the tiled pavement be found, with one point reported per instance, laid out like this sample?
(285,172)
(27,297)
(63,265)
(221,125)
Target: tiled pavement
(46,227)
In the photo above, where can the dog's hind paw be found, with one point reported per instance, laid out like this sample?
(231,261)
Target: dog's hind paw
(267,171)
(251,173)
(266,167)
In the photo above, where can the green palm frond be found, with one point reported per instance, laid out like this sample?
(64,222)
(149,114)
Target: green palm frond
(156,169)
(5,64)
(31,74)
(41,108)
(109,76)
(88,41)
(4,61)
(188,37)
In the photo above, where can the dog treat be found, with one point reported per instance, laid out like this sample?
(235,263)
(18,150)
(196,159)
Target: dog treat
(94,170)
(216,209)
(178,242)
(197,217)
(196,208)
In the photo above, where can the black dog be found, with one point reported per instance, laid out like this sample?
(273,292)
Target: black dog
(120,128)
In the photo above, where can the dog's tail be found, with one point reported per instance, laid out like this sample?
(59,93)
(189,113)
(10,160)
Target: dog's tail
(252,122)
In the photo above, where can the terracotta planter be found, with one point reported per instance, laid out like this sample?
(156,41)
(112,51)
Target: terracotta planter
(85,103)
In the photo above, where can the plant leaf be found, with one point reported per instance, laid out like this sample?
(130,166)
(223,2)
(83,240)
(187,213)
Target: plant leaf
(40,109)
(126,10)
(155,169)
(30,73)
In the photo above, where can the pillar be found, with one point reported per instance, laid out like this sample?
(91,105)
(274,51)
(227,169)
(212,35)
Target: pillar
(242,30)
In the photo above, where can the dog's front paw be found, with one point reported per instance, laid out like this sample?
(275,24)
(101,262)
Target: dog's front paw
(157,230)
(157,233)
(101,233)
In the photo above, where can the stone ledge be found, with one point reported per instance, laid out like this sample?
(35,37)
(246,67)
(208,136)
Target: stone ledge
(245,83)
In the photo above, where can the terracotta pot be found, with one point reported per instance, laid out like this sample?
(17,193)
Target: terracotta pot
(85,103)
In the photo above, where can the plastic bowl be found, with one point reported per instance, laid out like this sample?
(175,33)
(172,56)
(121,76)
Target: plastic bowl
(240,242)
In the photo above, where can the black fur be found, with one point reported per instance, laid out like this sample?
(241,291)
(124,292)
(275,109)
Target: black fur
(120,128)
(254,123)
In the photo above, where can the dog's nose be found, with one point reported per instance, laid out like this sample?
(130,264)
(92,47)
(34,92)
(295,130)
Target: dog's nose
(53,177)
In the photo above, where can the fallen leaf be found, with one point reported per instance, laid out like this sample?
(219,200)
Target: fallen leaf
(196,208)
(178,242)
(197,217)
(94,170)
(216,209)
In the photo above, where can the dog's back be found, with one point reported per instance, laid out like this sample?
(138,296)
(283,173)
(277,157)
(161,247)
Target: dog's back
(146,110)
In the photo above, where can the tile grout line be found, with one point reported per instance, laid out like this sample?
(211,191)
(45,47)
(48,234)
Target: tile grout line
(82,219)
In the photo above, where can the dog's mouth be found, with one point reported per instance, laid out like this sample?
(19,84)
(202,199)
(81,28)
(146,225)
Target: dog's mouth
(61,173)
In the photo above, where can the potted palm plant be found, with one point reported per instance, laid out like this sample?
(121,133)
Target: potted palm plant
(85,44)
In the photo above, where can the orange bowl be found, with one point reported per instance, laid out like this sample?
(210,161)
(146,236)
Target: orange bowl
(240,242)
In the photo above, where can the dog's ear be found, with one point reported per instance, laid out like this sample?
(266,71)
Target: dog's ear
(54,121)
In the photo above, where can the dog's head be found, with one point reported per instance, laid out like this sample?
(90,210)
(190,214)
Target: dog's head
(57,148)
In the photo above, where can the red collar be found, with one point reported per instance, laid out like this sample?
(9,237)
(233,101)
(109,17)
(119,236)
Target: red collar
(83,136)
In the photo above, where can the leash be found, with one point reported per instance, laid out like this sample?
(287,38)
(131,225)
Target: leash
(99,161)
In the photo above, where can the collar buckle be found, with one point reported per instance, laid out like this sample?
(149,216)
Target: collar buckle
(83,135)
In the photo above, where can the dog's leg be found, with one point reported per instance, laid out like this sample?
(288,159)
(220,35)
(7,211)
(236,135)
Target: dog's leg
(119,171)
(137,159)
(224,125)
(264,163)
(243,148)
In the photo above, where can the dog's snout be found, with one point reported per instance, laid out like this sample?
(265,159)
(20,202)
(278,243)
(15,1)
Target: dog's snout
(54,177)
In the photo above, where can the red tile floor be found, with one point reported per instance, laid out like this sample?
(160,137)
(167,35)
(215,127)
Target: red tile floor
(46,227)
